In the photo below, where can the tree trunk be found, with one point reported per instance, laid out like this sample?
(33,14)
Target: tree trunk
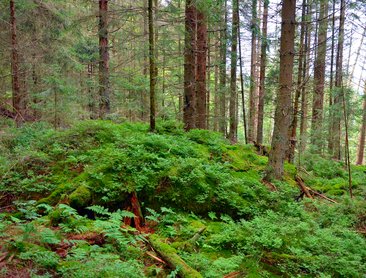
(234,57)
(223,42)
(361,144)
(331,112)
(319,79)
(216,89)
(18,106)
(262,74)
(242,84)
(283,107)
(189,66)
(253,75)
(201,97)
(300,84)
(338,84)
(104,84)
(152,65)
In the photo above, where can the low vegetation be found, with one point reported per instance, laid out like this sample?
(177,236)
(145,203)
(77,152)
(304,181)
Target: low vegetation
(105,199)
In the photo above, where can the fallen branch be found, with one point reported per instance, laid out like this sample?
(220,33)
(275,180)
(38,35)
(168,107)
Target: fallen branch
(270,185)
(308,191)
(303,187)
(321,195)
(155,257)
(197,235)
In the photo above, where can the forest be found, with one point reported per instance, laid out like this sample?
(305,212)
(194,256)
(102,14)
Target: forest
(182,138)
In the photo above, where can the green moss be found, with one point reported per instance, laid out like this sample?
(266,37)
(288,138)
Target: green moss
(170,255)
(59,193)
(81,197)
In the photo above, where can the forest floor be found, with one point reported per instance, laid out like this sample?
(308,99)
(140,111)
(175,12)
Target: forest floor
(104,199)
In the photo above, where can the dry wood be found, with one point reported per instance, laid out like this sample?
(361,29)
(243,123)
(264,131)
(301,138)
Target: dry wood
(303,187)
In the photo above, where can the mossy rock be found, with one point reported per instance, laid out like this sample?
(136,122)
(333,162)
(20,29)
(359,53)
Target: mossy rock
(81,197)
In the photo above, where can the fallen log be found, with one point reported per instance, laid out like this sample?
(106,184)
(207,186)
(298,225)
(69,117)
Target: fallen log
(170,256)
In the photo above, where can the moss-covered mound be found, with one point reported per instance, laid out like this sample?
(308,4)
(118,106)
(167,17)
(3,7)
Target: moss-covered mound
(101,163)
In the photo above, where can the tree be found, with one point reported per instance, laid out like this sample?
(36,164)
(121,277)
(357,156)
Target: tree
(299,86)
(189,65)
(361,144)
(201,95)
(18,101)
(253,75)
(319,78)
(223,52)
(152,65)
(262,73)
(337,104)
(279,144)
(104,84)
(234,57)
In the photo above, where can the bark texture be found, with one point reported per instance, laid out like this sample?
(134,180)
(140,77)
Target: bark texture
(283,107)
(153,70)
(361,144)
(189,66)
(104,84)
(234,57)
(262,74)
(201,95)
(319,79)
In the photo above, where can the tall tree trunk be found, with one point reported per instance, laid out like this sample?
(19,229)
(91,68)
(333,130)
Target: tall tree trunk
(338,84)
(283,107)
(253,76)
(242,84)
(361,144)
(216,89)
(18,107)
(189,66)
(201,96)
(305,78)
(300,84)
(223,50)
(144,93)
(234,57)
(91,98)
(331,107)
(208,82)
(262,73)
(319,79)
(152,65)
(104,84)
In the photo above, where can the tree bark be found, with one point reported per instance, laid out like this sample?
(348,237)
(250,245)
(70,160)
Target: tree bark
(283,107)
(223,42)
(262,74)
(201,96)
(361,144)
(319,79)
(300,84)
(189,66)
(253,75)
(331,112)
(104,84)
(18,105)
(152,67)
(234,57)
(338,84)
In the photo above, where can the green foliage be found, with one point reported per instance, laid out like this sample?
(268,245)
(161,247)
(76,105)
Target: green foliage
(184,182)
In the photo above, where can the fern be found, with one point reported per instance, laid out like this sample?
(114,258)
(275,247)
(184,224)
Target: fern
(99,210)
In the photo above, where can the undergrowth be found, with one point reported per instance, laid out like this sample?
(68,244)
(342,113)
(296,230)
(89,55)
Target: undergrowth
(64,197)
